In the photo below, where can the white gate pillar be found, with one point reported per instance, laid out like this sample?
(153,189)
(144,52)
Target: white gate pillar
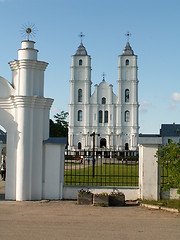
(32,117)
(149,177)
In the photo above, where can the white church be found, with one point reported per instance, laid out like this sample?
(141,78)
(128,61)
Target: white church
(112,118)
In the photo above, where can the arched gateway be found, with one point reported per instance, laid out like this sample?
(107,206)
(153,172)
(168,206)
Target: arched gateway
(24,113)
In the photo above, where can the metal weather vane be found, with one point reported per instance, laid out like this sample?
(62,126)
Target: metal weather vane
(28,31)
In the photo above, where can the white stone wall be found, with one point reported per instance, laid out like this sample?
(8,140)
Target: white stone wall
(149,174)
(53,171)
(131,193)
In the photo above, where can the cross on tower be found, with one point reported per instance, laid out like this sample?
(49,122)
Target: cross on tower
(128,34)
(103,75)
(81,35)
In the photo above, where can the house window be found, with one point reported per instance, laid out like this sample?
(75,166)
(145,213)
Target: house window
(127,116)
(106,117)
(127,62)
(103,100)
(80,115)
(100,116)
(169,140)
(127,95)
(80,62)
(79,95)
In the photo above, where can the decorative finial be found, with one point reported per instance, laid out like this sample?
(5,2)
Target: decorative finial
(128,34)
(81,35)
(28,31)
(103,75)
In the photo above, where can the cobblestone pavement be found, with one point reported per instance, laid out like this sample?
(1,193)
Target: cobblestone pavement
(66,220)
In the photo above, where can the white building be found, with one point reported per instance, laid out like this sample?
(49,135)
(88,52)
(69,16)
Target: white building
(113,118)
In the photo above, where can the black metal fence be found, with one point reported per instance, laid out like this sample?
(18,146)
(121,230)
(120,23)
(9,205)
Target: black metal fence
(106,168)
(164,174)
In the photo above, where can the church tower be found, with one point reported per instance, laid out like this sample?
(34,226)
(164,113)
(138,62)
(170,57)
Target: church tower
(113,118)
(127,99)
(80,93)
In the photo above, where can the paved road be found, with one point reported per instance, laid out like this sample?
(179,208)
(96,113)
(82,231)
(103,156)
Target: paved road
(66,220)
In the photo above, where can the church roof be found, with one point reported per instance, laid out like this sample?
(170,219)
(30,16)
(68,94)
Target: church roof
(81,51)
(128,50)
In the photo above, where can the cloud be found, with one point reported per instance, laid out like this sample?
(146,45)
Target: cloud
(144,106)
(176,96)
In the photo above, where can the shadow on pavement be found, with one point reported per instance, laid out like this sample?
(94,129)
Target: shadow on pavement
(2,197)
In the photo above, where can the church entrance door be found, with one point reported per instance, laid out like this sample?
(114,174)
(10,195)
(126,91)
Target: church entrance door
(103,143)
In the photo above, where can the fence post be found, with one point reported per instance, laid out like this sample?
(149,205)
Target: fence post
(149,174)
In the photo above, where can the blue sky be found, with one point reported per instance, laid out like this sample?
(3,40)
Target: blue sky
(155,30)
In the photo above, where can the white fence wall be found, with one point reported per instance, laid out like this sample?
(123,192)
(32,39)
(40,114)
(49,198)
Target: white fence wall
(149,174)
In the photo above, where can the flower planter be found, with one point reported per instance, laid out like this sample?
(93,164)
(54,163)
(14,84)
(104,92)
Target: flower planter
(117,199)
(84,198)
(101,200)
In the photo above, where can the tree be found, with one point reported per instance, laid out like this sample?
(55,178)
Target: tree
(59,127)
(169,159)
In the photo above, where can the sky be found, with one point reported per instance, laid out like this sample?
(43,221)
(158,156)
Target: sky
(155,39)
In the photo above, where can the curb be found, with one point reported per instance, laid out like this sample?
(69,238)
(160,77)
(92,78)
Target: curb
(157,207)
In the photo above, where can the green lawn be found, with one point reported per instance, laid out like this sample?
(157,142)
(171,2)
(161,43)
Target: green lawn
(174,203)
(105,175)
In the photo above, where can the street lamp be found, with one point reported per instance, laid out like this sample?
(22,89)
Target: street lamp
(93,135)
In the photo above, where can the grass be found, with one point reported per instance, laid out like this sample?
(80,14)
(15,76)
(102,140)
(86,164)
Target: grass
(105,175)
(174,203)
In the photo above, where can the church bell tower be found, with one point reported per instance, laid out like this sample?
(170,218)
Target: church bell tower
(127,105)
(80,93)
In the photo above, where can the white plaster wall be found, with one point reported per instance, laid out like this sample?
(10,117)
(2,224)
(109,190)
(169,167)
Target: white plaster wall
(5,88)
(131,193)
(170,194)
(149,182)
(53,175)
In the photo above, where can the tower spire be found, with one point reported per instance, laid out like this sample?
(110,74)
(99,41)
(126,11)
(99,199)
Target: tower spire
(103,75)
(128,35)
(81,35)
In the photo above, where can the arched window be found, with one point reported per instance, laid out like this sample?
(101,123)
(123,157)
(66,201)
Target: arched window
(127,116)
(80,62)
(79,95)
(127,95)
(103,100)
(79,145)
(106,117)
(80,115)
(127,62)
(100,116)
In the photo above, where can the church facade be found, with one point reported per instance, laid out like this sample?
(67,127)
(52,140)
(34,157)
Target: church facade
(113,119)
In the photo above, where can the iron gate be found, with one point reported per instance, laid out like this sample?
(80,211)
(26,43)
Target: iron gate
(106,168)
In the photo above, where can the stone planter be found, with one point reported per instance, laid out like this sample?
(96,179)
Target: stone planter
(101,200)
(117,199)
(84,198)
